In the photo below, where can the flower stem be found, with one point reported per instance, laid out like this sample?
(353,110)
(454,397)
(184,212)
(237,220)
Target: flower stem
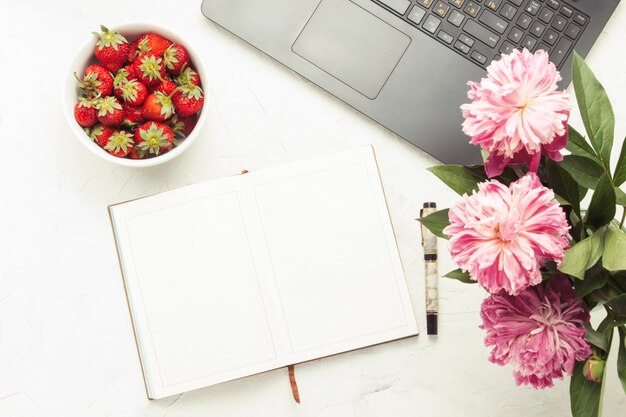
(621,223)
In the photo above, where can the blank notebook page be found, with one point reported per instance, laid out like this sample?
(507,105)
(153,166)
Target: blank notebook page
(242,275)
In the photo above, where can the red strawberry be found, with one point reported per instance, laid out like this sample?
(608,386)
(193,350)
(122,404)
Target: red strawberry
(132,92)
(148,42)
(182,126)
(111,49)
(110,112)
(85,111)
(120,143)
(167,87)
(149,69)
(132,115)
(188,99)
(154,138)
(175,58)
(188,76)
(97,81)
(122,76)
(158,107)
(101,134)
(137,153)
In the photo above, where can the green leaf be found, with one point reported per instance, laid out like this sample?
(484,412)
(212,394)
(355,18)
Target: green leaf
(563,184)
(597,338)
(595,278)
(620,197)
(595,109)
(621,357)
(585,395)
(436,222)
(585,171)
(602,206)
(617,306)
(620,168)
(561,200)
(583,255)
(578,145)
(461,179)
(460,276)
(614,257)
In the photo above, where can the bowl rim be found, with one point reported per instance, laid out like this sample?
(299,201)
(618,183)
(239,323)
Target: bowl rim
(78,65)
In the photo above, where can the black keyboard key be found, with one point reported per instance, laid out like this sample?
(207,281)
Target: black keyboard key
(479,32)
(493,4)
(580,19)
(462,47)
(456,18)
(507,47)
(425,3)
(560,51)
(515,35)
(417,14)
(472,8)
(445,36)
(533,7)
(477,56)
(529,43)
(554,4)
(545,15)
(566,11)
(524,21)
(441,8)
(494,22)
(466,40)
(550,37)
(544,47)
(517,2)
(432,23)
(457,3)
(559,23)
(508,11)
(537,29)
(572,31)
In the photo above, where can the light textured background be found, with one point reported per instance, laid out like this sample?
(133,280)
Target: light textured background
(66,344)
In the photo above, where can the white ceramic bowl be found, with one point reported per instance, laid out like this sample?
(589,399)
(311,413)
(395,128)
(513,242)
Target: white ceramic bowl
(85,57)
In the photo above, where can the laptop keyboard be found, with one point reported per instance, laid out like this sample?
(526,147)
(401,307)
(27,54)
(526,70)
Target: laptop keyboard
(481,30)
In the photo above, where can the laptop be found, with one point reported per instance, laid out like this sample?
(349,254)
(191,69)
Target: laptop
(405,63)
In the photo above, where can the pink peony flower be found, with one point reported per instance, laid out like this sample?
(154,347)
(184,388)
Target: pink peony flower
(503,235)
(516,112)
(541,331)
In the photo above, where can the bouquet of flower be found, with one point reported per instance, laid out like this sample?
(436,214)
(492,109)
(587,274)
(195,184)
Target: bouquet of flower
(521,233)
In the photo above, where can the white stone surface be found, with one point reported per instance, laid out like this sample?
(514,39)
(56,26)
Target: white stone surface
(66,343)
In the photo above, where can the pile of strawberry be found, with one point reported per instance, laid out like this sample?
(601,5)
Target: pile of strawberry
(142,98)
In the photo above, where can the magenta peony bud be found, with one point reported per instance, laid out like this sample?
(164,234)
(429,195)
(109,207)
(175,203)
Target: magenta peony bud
(594,369)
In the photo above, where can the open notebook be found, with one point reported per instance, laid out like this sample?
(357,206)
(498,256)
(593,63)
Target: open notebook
(245,274)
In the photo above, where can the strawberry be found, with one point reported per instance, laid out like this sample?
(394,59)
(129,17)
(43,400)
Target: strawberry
(132,115)
(154,137)
(110,112)
(111,49)
(175,58)
(132,92)
(101,134)
(149,42)
(149,69)
(158,107)
(85,111)
(120,143)
(188,99)
(97,81)
(188,76)
(122,76)
(167,87)
(182,126)
(137,153)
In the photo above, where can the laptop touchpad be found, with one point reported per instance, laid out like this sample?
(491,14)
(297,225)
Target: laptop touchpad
(352,45)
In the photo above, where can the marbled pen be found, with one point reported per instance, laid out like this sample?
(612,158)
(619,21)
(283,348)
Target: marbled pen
(429,242)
